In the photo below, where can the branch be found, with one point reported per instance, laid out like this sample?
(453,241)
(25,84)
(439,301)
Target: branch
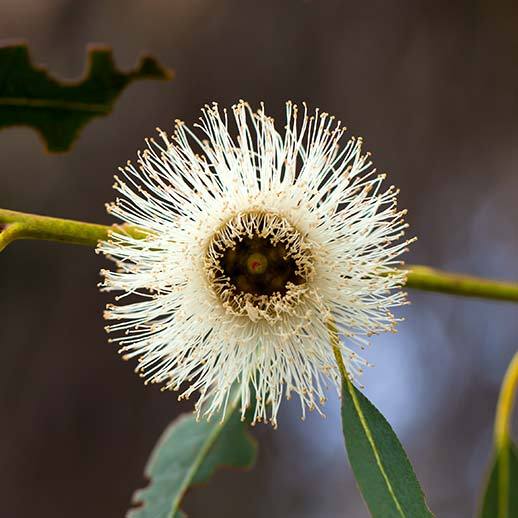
(430,279)
(18,225)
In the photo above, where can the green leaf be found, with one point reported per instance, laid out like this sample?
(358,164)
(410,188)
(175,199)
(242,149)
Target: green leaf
(381,466)
(58,109)
(188,453)
(501,496)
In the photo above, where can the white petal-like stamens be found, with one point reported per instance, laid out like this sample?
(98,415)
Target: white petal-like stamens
(254,240)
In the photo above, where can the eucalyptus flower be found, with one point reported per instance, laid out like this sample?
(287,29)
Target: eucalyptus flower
(255,239)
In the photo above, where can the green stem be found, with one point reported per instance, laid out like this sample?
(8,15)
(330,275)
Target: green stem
(19,225)
(504,408)
(429,279)
(335,345)
(504,411)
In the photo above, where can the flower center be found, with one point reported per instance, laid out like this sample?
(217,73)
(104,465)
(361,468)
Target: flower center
(259,265)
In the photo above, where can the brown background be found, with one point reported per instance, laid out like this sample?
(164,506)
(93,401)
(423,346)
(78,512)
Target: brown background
(433,88)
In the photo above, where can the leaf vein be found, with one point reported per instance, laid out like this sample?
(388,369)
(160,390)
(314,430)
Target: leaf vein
(375,451)
(201,455)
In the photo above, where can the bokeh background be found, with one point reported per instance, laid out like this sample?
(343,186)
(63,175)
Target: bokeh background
(433,88)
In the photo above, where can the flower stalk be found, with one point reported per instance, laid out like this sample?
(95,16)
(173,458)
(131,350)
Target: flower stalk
(18,225)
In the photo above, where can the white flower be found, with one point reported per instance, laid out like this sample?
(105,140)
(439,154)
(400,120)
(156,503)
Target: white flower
(256,240)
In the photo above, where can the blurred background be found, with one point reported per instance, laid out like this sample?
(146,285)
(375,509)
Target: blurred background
(433,88)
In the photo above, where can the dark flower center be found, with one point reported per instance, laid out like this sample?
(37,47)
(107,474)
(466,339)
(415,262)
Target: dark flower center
(258,266)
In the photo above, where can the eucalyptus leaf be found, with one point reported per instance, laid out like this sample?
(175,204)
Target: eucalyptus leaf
(188,453)
(501,495)
(59,109)
(381,466)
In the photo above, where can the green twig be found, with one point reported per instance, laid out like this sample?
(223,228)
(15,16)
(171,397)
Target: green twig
(502,432)
(429,279)
(505,404)
(18,225)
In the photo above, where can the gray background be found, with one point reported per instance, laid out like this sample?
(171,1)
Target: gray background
(433,88)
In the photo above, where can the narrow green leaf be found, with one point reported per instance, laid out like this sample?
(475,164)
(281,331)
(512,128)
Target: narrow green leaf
(59,109)
(501,495)
(188,453)
(381,466)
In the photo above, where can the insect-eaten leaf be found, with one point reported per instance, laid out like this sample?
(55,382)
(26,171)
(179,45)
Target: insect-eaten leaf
(188,453)
(381,467)
(59,109)
(501,495)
